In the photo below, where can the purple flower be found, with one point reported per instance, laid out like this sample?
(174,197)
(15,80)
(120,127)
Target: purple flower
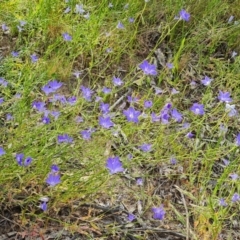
(148,104)
(183,15)
(197,108)
(169,65)
(167,107)
(58,97)
(174,91)
(55,114)
(27,161)
(72,100)
(230,109)
(186,125)
(139,181)
(51,87)
(55,168)
(146,147)
(106,90)
(190,135)
(45,120)
(64,138)
(238,140)
(164,114)
(129,156)
(40,106)
(105,122)
(132,114)
(131,20)
(1,100)
(117,81)
(131,99)
(234,176)
(114,165)
(230,19)
(234,54)
(155,118)
(67,10)
(206,81)
(224,97)
(104,107)
(120,25)
(15,54)
(86,134)
(148,69)
(131,217)
(158,213)
(79,9)
(222,202)
(43,206)
(98,99)
(20,158)
(226,162)
(165,118)
(2,152)
(173,161)
(53,179)
(3,82)
(235,197)
(158,90)
(4,27)
(34,58)
(176,115)
(87,93)
(67,37)
(46,113)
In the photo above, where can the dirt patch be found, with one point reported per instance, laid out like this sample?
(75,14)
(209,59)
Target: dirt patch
(7,44)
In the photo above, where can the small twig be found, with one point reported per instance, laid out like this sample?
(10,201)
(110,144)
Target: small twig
(120,99)
(9,220)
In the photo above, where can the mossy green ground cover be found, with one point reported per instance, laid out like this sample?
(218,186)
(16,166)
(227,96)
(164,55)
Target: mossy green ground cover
(190,164)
